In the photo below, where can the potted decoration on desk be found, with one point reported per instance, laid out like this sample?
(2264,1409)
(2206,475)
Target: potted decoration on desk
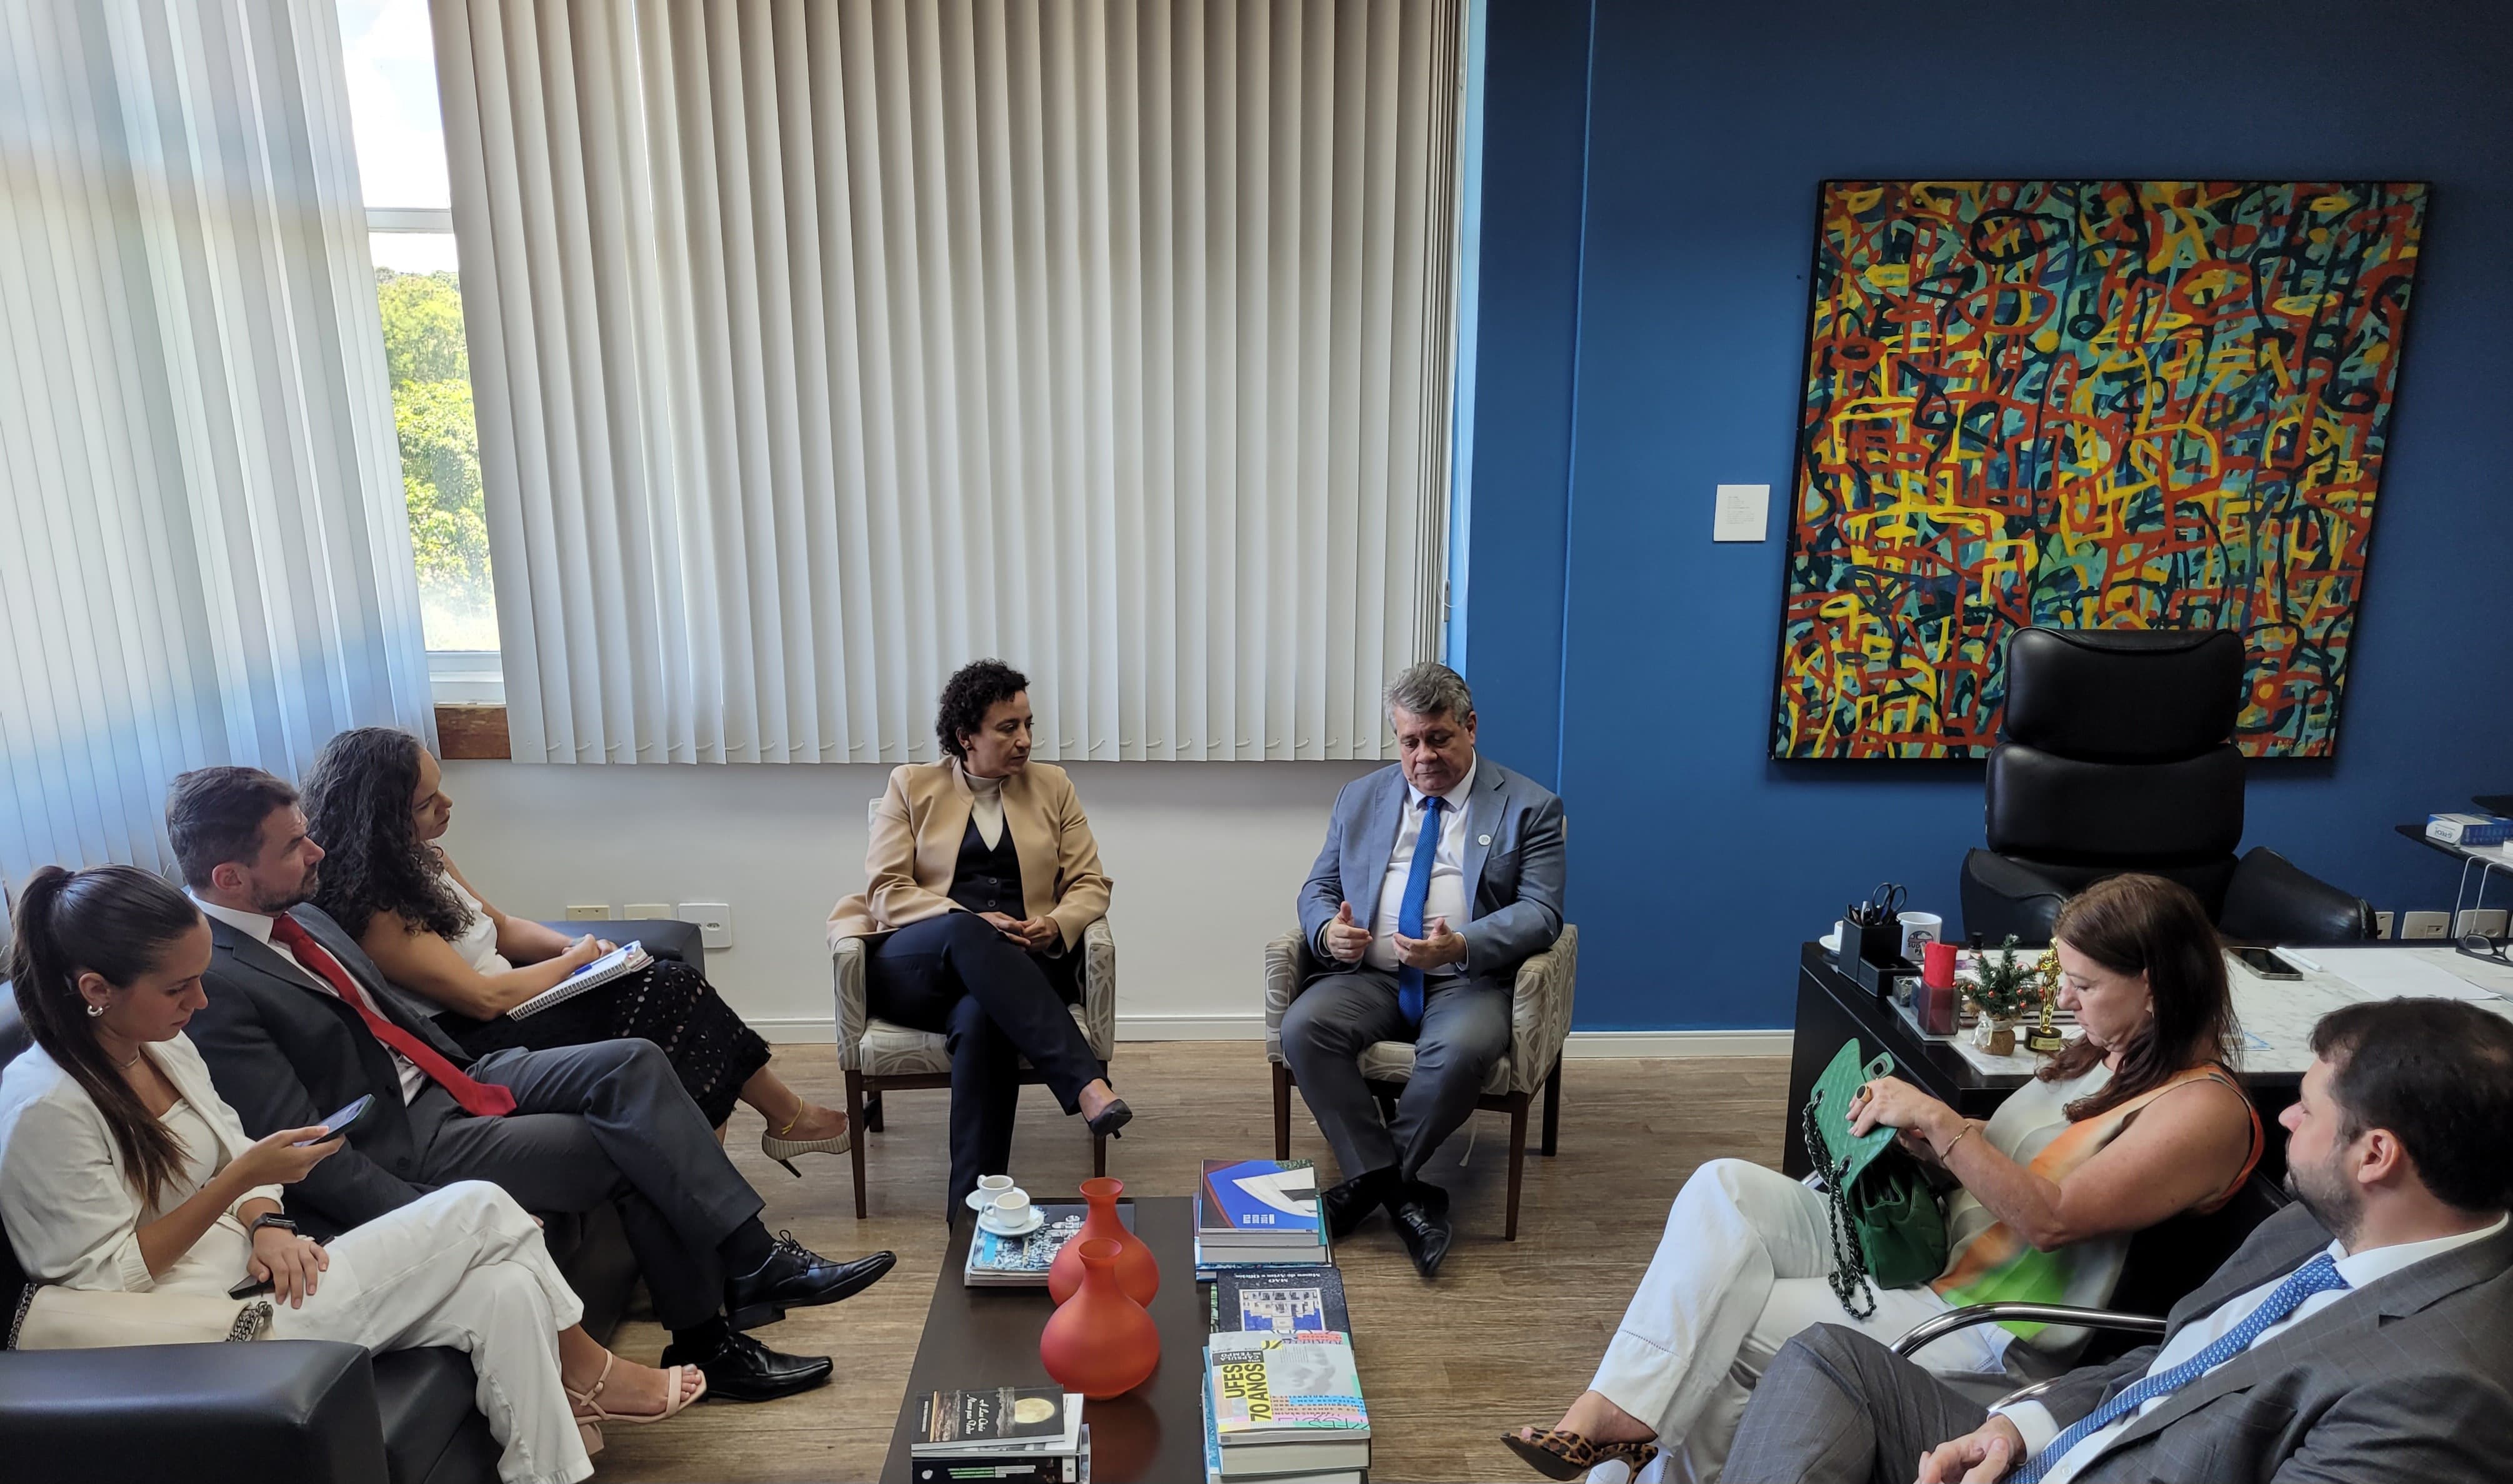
(2003,986)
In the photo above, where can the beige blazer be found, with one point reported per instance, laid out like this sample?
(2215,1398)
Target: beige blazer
(916,833)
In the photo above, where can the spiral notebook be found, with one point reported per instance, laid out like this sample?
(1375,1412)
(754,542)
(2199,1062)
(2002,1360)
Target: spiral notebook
(626,958)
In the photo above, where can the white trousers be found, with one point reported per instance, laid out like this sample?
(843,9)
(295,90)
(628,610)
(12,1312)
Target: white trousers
(1741,1268)
(461,1267)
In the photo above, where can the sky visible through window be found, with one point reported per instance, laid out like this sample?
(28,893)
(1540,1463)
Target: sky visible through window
(389,55)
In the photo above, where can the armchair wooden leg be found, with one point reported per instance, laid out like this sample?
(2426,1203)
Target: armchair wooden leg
(1517,1162)
(1282,1111)
(1552,1106)
(855,1145)
(872,1113)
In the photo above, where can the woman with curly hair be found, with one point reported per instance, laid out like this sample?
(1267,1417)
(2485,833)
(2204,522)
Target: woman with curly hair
(984,876)
(375,801)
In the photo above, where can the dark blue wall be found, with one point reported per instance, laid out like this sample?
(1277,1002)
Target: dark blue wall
(1642,319)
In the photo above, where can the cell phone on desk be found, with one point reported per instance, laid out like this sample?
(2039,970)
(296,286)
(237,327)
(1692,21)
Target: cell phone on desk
(337,1125)
(2268,966)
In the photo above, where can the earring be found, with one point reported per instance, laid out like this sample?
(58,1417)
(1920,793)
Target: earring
(94,1011)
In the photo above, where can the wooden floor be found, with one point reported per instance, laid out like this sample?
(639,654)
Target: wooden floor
(1507,1334)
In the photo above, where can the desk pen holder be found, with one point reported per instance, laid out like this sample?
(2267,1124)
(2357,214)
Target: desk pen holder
(1873,946)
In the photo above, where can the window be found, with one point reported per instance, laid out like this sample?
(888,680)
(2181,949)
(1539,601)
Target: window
(390,59)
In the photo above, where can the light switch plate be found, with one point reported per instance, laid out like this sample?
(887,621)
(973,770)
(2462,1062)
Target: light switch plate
(714,920)
(2489,920)
(647,912)
(1744,512)
(589,913)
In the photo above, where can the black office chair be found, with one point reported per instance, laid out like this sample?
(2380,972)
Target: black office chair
(2165,1263)
(2117,755)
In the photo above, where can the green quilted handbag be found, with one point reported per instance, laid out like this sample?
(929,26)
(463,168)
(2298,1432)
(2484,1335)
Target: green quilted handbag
(1887,1228)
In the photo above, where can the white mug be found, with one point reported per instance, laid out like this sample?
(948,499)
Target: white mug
(1010,1208)
(991,1186)
(1919,929)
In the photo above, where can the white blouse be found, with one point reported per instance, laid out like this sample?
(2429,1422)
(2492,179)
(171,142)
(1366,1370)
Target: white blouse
(478,944)
(72,1212)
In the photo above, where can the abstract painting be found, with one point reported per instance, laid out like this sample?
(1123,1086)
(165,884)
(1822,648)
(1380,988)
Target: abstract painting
(2091,404)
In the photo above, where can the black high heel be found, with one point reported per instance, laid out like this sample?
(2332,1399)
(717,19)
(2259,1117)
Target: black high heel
(1114,1117)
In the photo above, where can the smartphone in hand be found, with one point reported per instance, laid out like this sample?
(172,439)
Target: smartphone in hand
(249,1288)
(340,1124)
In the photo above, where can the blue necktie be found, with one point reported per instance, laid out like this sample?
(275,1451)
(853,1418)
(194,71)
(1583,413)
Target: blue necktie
(2319,1276)
(1408,918)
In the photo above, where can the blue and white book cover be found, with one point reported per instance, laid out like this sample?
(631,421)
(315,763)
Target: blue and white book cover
(1258,1195)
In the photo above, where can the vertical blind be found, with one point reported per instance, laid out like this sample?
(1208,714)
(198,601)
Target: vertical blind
(820,346)
(204,556)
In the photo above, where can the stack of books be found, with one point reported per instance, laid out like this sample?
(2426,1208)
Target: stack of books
(1257,1213)
(1011,1434)
(1285,1409)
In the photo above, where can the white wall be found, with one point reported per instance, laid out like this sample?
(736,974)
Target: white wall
(1205,858)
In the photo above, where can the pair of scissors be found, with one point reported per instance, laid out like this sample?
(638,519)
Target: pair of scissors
(1882,907)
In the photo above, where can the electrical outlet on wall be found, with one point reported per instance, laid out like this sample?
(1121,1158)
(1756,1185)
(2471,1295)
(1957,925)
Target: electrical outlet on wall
(2481,919)
(599,912)
(2424,924)
(2381,924)
(649,912)
(714,920)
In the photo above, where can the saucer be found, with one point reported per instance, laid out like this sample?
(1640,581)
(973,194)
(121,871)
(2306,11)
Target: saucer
(1037,1218)
(976,1200)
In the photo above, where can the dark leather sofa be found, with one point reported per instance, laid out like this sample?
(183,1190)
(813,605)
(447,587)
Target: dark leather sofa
(2116,754)
(304,1412)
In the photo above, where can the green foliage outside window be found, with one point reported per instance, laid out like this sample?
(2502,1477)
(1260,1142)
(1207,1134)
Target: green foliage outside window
(440,456)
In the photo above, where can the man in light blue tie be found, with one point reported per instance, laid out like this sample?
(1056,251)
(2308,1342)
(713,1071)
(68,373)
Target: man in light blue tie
(2363,1335)
(1441,875)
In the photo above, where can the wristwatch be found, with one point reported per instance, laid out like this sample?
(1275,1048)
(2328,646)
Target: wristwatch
(270,1218)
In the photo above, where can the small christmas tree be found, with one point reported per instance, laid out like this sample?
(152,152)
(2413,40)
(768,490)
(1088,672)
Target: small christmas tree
(2005,984)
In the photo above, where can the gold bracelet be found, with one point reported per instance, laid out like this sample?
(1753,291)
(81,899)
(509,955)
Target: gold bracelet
(1947,1152)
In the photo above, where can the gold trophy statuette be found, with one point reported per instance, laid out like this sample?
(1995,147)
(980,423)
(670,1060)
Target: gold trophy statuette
(2045,1038)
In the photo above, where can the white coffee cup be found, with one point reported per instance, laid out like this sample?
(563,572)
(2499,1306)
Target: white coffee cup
(1919,929)
(991,1186)
(1010,1208)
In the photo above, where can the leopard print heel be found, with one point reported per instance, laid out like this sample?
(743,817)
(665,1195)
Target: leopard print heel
(1559,1454)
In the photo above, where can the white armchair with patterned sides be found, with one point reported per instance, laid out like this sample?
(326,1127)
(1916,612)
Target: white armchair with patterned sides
(1540,1023)
(879,1056)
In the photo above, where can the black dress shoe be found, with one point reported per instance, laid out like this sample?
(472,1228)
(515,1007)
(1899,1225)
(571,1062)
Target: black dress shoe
(1421,1213)
(744,1370)
(796,1276)
(1347,1205)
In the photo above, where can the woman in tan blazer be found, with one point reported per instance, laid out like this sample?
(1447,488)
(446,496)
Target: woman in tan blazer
(984,876)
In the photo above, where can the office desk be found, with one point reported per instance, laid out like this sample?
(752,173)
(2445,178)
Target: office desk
(1832,1008)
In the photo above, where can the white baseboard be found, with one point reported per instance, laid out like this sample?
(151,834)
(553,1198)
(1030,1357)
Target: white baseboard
(1249,1025)
(1602,1045)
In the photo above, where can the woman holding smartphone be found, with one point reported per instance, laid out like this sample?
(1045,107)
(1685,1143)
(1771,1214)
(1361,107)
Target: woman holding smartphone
(121,1169)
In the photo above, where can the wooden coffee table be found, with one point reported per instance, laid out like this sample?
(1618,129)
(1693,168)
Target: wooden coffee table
(989,1336)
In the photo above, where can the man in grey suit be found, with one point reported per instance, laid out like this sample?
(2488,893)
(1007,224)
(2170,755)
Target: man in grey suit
(1441,875)
(299,1024)
(2359,1336)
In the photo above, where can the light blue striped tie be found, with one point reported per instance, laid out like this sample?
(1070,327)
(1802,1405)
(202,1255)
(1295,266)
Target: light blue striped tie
(2319,1276)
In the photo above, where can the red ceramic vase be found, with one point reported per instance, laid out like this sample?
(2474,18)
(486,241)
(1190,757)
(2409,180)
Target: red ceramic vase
(1138,1273)
(1100,1341)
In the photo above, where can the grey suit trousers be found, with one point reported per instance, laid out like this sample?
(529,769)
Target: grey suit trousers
(1835,1407)
(1466,1029)
(608,1121)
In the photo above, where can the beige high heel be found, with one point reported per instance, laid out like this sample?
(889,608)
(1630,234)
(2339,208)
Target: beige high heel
(591,1437)
(590,1410)
(783,1150)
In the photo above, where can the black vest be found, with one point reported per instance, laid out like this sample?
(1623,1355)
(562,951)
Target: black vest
(988,879)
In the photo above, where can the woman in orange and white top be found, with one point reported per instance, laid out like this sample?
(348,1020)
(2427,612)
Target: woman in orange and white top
(2138,1121)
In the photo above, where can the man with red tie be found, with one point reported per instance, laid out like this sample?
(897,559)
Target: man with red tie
(301,1023)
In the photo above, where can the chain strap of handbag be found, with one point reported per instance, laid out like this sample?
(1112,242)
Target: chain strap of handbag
(1849,1278)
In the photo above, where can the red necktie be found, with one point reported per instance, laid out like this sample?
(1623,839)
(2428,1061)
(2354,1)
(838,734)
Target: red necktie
(485,1099)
